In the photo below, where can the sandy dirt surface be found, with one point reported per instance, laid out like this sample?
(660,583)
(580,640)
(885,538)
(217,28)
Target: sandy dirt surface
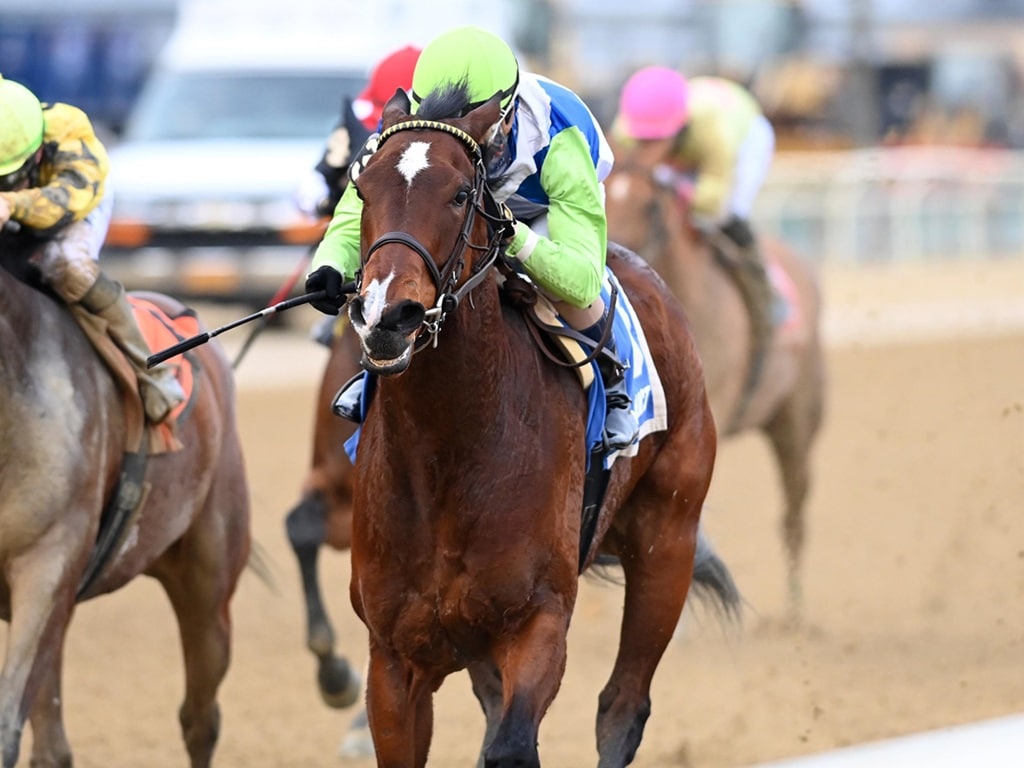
(914,574)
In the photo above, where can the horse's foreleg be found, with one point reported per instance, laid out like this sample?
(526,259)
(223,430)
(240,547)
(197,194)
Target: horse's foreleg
(307,530)
(50,748)
(400,708)
(532,665)
(487,689)
(791,433)
(657,561)
(41,606)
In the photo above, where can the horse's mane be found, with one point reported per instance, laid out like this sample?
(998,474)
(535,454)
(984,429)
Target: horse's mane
(447,101)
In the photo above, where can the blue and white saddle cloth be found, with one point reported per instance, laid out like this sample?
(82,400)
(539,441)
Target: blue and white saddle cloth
(642,382)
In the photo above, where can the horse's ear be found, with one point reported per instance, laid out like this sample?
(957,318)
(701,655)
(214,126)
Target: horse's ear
(478,121)
(396,109)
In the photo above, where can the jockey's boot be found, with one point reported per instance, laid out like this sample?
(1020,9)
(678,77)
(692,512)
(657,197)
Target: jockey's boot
(620,425)
(348,403)
(756,288)
(158,386)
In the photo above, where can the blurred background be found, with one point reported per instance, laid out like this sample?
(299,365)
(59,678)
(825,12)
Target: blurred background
(900,173)
(899,122)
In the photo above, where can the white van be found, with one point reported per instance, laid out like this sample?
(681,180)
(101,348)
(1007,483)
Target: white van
(235,114)
(204,176)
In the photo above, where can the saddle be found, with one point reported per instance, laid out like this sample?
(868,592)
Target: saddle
(160,331)
(559,343)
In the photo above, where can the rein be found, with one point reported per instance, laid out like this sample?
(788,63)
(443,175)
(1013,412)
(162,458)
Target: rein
(447,278)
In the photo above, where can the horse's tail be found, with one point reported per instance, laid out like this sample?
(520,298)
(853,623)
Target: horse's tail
(712,581)
(260,563)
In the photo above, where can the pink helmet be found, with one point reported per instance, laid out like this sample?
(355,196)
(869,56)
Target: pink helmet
(654,103)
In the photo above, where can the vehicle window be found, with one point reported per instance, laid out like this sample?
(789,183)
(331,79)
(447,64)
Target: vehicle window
(177,106)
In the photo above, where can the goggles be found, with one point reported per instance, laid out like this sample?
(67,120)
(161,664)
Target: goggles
(17,178)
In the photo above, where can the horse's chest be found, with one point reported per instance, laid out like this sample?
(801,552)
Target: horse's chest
(450,620)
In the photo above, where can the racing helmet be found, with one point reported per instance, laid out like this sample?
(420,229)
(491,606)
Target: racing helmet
(470,53)
(21,125)
(654,104)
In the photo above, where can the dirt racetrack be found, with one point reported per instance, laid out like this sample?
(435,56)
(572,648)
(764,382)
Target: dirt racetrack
(914,576)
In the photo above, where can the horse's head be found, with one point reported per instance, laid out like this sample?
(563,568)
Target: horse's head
(646,210)
(429,226)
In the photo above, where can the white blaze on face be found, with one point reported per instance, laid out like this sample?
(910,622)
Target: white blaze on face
(413,160)
(375,300)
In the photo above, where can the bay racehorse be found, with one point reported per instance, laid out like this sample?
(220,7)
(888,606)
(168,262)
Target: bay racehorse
(785,401)
(181,515)
(469,484)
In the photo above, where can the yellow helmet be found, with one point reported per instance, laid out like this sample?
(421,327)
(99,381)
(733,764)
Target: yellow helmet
(21,125)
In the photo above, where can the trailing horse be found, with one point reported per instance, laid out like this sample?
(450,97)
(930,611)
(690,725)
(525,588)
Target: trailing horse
(323,516)
(784,399)
(467,532)
(90,498)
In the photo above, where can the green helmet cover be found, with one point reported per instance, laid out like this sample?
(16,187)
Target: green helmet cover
(481,58)
(21,125)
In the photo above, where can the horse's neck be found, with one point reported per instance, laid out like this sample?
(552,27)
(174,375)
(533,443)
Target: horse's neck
(686,263)
(712,302)
(458,389)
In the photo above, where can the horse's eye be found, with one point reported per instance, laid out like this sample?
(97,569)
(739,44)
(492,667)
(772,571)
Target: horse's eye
(461,197)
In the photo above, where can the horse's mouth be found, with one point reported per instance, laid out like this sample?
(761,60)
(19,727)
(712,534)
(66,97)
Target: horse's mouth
(386,367)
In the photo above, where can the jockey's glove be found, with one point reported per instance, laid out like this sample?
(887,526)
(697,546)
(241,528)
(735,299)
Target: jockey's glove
(331,282)
(507,222)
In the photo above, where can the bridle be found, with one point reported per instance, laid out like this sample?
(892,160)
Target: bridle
(446,279)
(654,211)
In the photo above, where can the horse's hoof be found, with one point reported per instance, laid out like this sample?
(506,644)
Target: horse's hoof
(358,743)
(340,686)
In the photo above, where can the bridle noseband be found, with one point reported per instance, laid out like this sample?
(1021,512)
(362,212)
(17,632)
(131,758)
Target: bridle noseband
(446,279)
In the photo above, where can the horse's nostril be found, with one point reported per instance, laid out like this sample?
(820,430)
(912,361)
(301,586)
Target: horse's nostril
(355,311)
(410,317)
(403,317)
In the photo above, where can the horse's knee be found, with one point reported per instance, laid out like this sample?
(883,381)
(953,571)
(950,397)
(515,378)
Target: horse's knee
(306,523)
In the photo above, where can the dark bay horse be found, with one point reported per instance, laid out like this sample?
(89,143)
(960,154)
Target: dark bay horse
(323,517)
(64,440)
(786,403)
(469,480)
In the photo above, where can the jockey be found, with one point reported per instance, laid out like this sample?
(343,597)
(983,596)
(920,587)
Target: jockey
(52,174)
(318,195)
(709,137)
(546,160)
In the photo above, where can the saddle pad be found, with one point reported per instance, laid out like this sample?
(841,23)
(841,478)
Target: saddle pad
(162,331)
(785,289)
(642,380)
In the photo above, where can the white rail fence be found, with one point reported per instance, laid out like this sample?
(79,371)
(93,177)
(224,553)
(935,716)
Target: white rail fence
(897,204)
